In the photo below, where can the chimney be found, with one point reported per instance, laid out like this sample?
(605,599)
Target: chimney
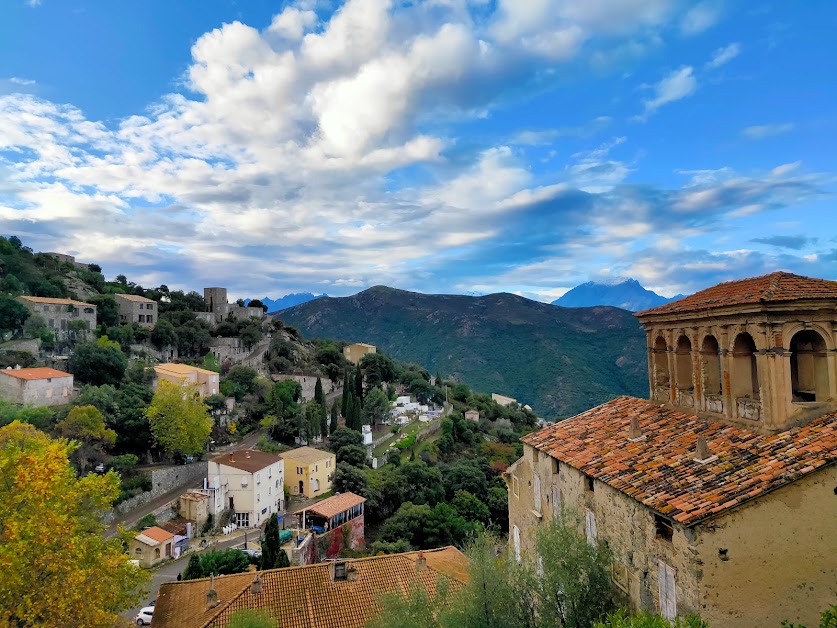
(256,585)
(703,455)
(232,458)
(247,454)
(421,562)
(211,595)
(635,433)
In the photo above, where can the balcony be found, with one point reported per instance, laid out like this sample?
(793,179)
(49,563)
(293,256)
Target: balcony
(749,408)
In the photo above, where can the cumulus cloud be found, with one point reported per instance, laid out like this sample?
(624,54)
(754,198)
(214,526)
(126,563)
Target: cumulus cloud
(796,242)
(762,131)
(700,17)
(723,56)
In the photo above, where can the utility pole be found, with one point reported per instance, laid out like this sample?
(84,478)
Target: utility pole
(245,539)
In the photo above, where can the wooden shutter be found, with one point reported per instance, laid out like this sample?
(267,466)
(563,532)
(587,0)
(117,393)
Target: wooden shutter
(537,489)
(556,501)
(516,540)
(590,527)
(668,592)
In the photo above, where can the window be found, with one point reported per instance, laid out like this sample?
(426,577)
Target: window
(668,592)
(589,484)
(270,472)
(556,501)
(51,323)
(590,527)
(149,318)
(156,552)
(537,490)
(515,486)
(556,467)
(138,550)
(242,519)
(258,478)
(516,541)
(809,367)
(149,306)
(244,480)
(299,471)
(339,571)
(683,364)
(663,528)
(316,468)
(328,464)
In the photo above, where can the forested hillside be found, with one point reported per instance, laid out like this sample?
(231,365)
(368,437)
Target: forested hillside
(559,360)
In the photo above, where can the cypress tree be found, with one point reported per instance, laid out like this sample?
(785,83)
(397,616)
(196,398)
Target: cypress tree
(344,409)
(356,422)
(271,544)
(333,425)
(359,384)
(283,561)
(319,395)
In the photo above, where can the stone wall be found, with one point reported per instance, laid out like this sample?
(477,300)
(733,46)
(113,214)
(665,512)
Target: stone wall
(165,479)
(319,547)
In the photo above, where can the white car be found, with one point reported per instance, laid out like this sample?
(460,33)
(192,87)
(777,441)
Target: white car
(143,618)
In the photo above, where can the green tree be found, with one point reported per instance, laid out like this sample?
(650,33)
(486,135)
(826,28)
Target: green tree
(248,618)
(346,399)
(376,408)
(417,607)
(332,427)
(357,423)
(470,507)
(12,314)
(164,334)
(394,457)
(353,455)
(97,365)
(57,562)
(319,395)
(623,619)
(827,620)
(218,562)
(210,363)
(179,420)
(86,426)
(343,436)
(271,544)
(133,431)
(358,390)
(422,389)
(497,501)
(107,309)
(350,479)
(422,483)
(313,418)
(378,369)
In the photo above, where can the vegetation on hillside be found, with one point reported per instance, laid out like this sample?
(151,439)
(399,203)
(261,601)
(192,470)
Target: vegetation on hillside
(560,361)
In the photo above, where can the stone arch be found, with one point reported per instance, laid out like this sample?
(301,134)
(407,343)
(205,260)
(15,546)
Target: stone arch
(662,376)
(809,366)
(710,365)
(683,363)
(745,375)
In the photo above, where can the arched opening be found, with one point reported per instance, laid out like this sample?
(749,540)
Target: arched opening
(745,375)
(156,552)
(710,366)
(662,378)
(683,364)
(809,368)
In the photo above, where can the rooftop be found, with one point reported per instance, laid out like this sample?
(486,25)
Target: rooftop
(55,301)
(773,288)
(154,536)
(250,460)
(307,597)
(660,471)
(181,369)
(134,297)
(306,454)
(360,344)
(331,506)
(35,373)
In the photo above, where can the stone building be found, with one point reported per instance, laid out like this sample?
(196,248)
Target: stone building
(717,496)
(308,382)
(62,315)
(136,309)
(216,303)
(36,386)
(207,382)
(152,546)
(355,352)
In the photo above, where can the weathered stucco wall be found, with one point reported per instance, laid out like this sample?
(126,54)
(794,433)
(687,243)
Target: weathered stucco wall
(781,553)
(319,547)
(623,523)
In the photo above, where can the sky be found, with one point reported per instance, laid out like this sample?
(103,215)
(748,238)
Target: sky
(446,146)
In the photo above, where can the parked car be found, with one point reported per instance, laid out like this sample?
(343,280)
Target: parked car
(99,468)
(143,618)
(254,553)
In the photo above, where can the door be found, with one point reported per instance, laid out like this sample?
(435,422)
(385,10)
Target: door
(231,504)
(668,593)
(301,487)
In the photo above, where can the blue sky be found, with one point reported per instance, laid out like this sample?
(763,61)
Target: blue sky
(436,145)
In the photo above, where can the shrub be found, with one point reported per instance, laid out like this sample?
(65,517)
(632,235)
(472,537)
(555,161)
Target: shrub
(147,521)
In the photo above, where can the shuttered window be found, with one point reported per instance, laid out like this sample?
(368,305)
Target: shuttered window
(556,501)
(516,541)
(590,527)
(668,593)
(537,488)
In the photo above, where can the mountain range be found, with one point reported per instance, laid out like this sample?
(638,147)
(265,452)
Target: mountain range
(561,361)
(627,294)
(289,300)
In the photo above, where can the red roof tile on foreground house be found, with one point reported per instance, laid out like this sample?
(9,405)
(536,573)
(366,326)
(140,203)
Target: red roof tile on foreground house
(333,505)
(660,470)
(308,597)
(772,288)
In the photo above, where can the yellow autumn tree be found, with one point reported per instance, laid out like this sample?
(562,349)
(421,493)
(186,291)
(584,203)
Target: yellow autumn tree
(56,566)
(179,419)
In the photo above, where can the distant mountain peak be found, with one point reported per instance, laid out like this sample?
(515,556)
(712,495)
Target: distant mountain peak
(622,292)
(289,300)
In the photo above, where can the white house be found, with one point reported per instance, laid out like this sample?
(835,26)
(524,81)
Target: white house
(249,482)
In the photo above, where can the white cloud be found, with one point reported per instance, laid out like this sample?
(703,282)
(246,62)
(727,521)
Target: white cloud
(21,81)
(723,55)
(701,17)
(678,84)
(33,3)
(762,131)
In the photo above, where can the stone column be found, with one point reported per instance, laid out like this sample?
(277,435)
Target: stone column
(723,337)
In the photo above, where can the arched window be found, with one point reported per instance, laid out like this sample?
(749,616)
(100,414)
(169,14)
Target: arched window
(809,369)
(710,366)
(745,375)
(156,552)
(661,374)
(683,364)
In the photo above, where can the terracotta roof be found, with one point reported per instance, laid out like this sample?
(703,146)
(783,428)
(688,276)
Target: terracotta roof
(134,297)
(34,373)
(155,534)
(250,460)
(660,471)
(194,496)
(176,526)
(181,369)
(361,344)
(772,288)
(334,505)
(54,301)
(307,597)
(306,455)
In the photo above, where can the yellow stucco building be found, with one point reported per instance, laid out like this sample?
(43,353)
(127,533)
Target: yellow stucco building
(718,496)
(308,471)
(356,351)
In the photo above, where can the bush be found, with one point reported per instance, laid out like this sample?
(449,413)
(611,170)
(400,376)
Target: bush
(623,619)
(147,521)
(406,443)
